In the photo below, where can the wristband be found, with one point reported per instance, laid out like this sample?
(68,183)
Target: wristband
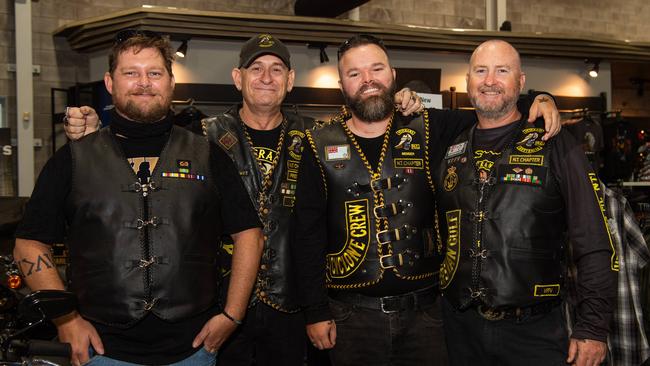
(238,322)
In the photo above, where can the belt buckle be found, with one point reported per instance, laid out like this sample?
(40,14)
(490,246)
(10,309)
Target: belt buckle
(375,184)
(375,212)
(383,307)
(378,235)
(381,264)
(491,314)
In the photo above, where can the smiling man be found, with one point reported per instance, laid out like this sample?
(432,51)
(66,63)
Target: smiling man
(141,206)
(509,204)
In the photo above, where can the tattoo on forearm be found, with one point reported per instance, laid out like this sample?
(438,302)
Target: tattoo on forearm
(42,262)
(543,99)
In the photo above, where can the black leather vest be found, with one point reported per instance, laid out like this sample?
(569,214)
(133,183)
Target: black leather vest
(380,221)
(275,285)
(123,265)
(505,237)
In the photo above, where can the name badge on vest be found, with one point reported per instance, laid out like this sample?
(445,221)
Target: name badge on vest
(455,150)
(407,150)
(337,152)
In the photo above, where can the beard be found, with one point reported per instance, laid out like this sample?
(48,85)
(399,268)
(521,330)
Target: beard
(154,111)
(497,109)
(374,108)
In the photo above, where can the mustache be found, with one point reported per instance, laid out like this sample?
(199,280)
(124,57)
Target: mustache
(484,89)
(140,91)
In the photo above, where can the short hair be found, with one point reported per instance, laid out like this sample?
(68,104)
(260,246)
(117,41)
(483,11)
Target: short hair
(138,40)
(358,41)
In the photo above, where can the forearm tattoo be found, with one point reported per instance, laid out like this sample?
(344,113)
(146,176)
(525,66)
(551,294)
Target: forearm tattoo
(42,262)
(543,99)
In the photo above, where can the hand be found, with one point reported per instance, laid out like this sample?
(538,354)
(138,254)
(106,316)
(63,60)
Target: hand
(322,334)
(544,106)
(214,333)
(80,121)
(80,334)
(586,352)
(408,102)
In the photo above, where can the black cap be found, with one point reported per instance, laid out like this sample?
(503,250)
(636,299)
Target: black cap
(263,44)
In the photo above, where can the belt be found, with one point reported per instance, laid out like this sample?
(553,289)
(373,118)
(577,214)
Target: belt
(390,304)
(517,312)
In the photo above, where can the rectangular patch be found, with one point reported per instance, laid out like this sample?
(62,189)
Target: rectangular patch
(547,290)
(183,176)
(337,152)
(292,175)
(292,164)
(455,150)
(527,159)
(525,174)
(408,163)
(288,201)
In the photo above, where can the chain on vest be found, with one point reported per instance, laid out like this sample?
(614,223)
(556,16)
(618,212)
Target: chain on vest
(378,219)
(275,285)
(505,233)
(139,247)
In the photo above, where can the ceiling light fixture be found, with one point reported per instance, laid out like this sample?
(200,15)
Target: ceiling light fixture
(182,50)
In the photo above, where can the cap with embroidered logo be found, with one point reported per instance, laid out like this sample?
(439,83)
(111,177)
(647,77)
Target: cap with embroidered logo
(263,44)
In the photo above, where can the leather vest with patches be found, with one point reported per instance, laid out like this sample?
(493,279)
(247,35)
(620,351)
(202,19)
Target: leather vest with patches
(505,237)
(135,248)
(275,285)
(380,221)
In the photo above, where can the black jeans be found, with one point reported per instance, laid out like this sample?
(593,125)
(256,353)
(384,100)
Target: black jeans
(372,337)
(267,337)
(539,340)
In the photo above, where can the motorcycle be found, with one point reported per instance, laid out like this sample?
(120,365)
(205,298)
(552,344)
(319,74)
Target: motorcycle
(37,308)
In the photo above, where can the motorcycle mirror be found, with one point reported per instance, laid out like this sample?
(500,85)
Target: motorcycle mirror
(47,304)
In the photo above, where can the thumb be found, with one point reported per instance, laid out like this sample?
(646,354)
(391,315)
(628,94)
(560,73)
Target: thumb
(96,342)
(85,109)
(533,113)
(573,350)
(198,340)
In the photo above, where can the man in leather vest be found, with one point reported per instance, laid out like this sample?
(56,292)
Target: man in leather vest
(141,206)
(365,221)
(508,202)
(265,143)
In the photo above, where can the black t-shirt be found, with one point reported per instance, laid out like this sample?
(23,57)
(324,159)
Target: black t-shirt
(591,247)
(152,340)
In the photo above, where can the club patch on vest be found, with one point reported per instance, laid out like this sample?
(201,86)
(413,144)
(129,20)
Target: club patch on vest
(406,136)
(452,258)
(595,183)
(227,140)
(546,290)
(403,163)
(531,142)
(337,152)
(526,159)
(451,179)
(292,170)
(296,145)
(455,150)
(349,258)
(526,174)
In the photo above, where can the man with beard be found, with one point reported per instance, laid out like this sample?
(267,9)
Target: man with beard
(365,220)
(141,206)
(265,142)
(508,201)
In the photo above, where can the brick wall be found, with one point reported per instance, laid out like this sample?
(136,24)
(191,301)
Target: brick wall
(62,67)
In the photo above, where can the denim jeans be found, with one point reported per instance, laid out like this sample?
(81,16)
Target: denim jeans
(199,358)
(372,337)
(539,340)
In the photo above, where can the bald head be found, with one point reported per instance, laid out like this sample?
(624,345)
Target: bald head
(496,48)
(494,81)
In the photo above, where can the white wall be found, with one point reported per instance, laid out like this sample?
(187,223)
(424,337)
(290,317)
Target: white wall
(210,62)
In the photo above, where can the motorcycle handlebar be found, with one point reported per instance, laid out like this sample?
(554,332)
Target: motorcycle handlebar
(44,348)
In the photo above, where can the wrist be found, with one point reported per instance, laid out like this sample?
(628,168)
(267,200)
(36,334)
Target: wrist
(231,318)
